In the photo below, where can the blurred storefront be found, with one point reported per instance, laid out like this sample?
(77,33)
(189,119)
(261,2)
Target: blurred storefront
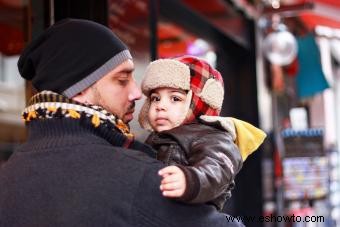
(298,79)
(281,73)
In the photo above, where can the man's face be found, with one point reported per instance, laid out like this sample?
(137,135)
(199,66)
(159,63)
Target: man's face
(117,91)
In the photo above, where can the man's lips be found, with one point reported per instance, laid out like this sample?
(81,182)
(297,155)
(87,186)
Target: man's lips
(130,111)
(128,116)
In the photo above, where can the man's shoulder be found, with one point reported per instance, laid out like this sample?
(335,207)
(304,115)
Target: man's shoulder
(137,156)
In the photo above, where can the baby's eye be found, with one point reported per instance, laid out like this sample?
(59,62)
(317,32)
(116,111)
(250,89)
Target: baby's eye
(176,99)
(154,98)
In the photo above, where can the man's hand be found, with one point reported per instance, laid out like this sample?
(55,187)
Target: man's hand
(173,183)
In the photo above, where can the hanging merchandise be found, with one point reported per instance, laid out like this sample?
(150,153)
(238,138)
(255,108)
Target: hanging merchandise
(310,78)
(278,84)
(292,69)
(280,47)
(335,49)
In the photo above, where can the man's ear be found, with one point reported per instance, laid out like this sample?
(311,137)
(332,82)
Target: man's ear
(84,96)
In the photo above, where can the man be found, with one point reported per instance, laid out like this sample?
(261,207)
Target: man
(75,168)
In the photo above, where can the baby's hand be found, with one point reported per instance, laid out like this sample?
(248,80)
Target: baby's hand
(173,183)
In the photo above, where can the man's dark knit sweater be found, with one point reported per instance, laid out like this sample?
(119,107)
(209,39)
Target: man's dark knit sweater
(65,175)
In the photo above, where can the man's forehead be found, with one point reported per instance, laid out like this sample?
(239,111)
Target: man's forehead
(129,63)
(125,67)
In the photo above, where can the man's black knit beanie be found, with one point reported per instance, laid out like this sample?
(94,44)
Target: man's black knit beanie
(71,55)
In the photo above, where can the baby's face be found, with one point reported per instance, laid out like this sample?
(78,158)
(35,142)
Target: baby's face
(167,109)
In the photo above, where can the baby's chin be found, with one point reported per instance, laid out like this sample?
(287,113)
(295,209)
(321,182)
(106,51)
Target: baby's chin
(160,128)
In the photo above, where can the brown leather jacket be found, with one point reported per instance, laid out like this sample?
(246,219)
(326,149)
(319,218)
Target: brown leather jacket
(207,155)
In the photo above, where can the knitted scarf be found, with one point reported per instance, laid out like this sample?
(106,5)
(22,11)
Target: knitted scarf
(47,104)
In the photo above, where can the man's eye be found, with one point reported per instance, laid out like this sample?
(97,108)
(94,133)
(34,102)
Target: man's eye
(123,82)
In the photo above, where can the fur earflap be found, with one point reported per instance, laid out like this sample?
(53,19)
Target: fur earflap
(143,115)
(225,122)
(212,93)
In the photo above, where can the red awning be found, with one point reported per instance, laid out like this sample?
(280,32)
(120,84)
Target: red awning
(311,12)
(323,12)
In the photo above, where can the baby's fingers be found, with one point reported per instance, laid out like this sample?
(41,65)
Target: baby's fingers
(173,193)
(168,170)
(170,186)
(170,179)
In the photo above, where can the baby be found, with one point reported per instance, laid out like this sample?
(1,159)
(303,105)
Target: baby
(203,151)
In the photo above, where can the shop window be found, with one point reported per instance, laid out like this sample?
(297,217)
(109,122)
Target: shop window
(173,41)
(13,31)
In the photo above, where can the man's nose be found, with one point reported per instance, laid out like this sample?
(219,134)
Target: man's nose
(135,92)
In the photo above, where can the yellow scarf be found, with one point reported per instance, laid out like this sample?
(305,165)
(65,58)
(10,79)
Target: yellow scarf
(246,136)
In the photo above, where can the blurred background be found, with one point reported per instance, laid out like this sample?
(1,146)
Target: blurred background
(280,60)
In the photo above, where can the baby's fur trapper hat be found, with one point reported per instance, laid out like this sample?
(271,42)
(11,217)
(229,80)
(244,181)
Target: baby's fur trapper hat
(71,55)
(203,83)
